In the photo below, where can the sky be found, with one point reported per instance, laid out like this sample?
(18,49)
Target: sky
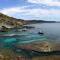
(31,9)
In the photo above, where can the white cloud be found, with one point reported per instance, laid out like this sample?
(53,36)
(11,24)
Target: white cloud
(47,2)
(35,12)
(12,10)
(42,12)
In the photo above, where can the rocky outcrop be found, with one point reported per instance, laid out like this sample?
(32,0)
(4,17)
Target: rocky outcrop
(10,21)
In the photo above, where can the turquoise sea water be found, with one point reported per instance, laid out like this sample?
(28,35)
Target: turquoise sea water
(16,36)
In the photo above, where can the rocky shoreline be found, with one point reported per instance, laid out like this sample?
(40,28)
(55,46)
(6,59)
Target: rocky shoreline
(34,51)
(9,55)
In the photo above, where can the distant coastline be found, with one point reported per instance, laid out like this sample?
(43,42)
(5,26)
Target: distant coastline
(11,21)
(39,21)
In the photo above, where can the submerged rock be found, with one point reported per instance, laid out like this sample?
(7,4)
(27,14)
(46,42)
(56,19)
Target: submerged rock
(40,33)
(37,46)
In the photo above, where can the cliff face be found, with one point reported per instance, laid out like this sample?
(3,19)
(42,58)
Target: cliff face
(10,21)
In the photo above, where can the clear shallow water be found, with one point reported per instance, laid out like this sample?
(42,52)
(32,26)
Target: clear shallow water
(51,33)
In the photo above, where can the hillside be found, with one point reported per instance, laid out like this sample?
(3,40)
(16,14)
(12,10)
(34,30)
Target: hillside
(13,22)
(39,21)
(10,21)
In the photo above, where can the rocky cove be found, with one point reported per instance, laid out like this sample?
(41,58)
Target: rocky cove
(27,46)
(20,41)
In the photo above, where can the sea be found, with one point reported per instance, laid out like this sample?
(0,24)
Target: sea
(51,33)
